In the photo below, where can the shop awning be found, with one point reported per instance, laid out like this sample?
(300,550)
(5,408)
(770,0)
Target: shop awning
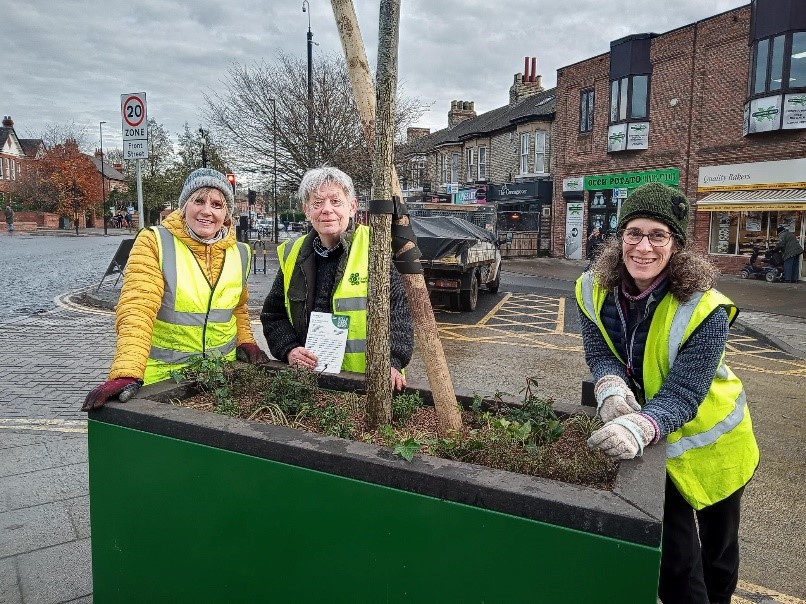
(761,200)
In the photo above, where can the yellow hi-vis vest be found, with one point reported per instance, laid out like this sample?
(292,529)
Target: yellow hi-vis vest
(715,454)
(350,297)
(195,317)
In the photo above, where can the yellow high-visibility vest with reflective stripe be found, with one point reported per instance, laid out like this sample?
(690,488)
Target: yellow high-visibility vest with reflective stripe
(712,456)
(350,297)
(194,318)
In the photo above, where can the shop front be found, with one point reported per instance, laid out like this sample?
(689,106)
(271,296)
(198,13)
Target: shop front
(744,204)
(601,197)
(523,217)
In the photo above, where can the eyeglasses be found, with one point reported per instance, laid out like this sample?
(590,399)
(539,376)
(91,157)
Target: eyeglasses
(656,238)
(318,204)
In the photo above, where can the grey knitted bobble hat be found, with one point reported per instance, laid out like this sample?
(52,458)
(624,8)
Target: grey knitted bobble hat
(207,177)
(658,202)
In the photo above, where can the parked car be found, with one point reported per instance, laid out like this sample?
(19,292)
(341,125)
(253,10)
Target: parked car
(264,227)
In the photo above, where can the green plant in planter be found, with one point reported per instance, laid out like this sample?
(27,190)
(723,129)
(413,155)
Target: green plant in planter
(404,405)
(527,437)
(209,374)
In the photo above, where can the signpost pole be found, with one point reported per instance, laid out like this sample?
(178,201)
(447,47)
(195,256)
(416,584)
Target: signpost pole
(140,216)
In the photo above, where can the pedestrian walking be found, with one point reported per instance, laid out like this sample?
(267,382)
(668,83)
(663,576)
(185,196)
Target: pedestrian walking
(10,219)
(790,249)
(326,270)
(654,331)
(184,294)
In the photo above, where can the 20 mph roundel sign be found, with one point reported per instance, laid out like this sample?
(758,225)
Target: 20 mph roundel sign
(133,109)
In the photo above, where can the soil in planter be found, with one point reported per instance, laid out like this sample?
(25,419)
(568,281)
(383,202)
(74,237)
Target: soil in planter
(528,438)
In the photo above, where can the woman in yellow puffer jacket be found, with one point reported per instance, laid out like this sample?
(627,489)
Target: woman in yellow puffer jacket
(184,293)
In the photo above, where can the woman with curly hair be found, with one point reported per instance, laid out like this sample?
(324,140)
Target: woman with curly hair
(654,331)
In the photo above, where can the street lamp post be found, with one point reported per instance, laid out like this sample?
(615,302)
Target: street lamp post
(204,147)
(274,167)
(75,205)
(310,83)
(103,178)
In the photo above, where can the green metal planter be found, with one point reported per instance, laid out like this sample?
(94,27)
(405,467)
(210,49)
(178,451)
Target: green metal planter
(190,506)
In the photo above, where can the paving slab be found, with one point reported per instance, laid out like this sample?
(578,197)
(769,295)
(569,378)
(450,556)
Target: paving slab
(9,585)
(58,574)
(43,486)
(32,528)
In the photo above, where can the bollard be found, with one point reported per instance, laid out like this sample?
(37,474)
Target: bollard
(258,244)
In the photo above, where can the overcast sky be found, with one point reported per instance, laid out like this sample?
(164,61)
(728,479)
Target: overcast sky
(68,61)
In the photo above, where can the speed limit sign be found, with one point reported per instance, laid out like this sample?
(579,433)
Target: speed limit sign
(133,110)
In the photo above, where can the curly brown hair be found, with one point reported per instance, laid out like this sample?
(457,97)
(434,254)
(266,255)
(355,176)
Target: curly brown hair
(689,270)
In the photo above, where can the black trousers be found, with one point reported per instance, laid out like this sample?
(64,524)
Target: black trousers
(698,567)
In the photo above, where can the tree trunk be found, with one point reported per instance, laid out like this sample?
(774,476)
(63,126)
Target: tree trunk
(425,326)
(379,395)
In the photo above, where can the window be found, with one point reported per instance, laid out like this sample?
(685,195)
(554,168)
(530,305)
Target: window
(482,163)
(444,169)
(469,165)
(13,169)
(1,168)
(737,233)
(778,64)
(540,152)
(797,61)
(586,110)
(524,153)
(629,98)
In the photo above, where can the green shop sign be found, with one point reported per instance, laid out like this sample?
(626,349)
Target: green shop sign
(631,180)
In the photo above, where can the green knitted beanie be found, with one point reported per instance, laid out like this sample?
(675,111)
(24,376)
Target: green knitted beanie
(659,202)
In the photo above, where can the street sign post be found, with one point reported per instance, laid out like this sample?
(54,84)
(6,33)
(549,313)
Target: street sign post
(135,138)
(135,125)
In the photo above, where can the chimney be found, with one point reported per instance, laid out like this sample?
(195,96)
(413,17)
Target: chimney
(527,83)
(460,111)
(98,154)
(7,122)
(413,133)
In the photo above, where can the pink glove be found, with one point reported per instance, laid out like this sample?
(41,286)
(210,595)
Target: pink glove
(124,388)
(251,353)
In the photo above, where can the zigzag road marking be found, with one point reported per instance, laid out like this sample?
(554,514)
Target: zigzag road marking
(45,425)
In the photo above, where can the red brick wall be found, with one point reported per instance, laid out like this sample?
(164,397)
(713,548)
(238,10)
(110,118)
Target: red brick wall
(705,67)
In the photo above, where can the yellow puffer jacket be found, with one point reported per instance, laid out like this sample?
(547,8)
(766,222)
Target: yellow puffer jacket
(142,291)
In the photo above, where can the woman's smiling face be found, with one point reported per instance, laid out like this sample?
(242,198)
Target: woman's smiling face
(644,261)
(205,212)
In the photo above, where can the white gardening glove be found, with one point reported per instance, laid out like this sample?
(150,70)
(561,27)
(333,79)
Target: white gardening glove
(624,437)
(614,398)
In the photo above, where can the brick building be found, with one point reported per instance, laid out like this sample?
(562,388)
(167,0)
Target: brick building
(15,155)
(716,108)
(497,164)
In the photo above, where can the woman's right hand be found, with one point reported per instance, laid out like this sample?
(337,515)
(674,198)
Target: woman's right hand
(302,357)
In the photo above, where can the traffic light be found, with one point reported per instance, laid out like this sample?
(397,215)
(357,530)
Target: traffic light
(231,179)
(252,197)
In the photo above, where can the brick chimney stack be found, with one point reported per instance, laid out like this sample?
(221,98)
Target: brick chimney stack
(413,133)
(527,83)
(7,122)
(460,111)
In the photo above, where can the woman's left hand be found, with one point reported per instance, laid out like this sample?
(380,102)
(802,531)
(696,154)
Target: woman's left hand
(398,380)
(624,437)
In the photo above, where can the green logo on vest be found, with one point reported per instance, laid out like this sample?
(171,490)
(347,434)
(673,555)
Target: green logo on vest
(341,321)
(356,278)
